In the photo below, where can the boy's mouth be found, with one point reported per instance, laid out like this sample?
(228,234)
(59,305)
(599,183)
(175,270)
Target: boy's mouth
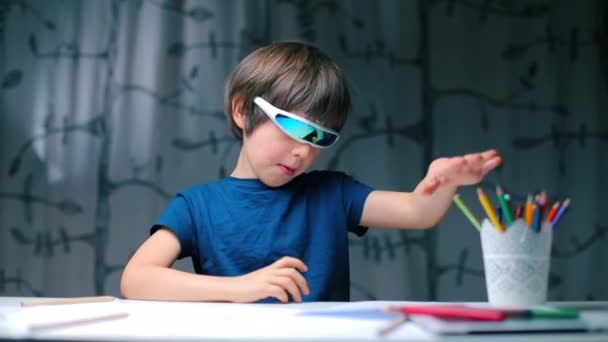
(287,170)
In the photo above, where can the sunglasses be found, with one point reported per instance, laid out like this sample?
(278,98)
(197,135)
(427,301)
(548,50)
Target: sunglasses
(297,127)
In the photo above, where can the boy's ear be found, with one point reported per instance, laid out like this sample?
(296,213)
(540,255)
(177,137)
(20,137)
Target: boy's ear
(238,115)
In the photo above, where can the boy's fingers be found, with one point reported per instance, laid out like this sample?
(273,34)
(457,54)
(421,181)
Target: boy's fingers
(474,157)
(297,278)
(480,157)
(287,284)
(489,154)
(278,293)
(291,262)
(491,164)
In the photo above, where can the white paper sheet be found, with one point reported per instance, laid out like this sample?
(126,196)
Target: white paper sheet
(195,321)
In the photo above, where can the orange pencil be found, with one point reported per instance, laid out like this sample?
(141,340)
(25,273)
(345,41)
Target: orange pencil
(553,211)
(529,211)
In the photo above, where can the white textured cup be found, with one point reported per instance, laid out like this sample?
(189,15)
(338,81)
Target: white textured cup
(516,264)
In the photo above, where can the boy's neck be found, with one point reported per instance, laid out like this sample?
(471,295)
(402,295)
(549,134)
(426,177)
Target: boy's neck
(242,168)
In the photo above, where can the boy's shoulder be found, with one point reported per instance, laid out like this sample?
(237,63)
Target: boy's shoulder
(203,187)
(317,177)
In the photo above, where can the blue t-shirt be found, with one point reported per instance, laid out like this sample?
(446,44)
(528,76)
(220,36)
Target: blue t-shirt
(236,226)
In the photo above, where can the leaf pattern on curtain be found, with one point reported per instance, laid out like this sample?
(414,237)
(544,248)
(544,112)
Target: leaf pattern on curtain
(110,107)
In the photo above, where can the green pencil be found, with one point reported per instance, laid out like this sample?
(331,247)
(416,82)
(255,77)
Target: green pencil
(465,210)
(555,313)
(505,206)
(548,313)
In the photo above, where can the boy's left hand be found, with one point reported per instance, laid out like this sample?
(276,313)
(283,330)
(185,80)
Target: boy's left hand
(462,170)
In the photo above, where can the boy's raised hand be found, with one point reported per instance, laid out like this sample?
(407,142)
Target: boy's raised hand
(280,279)
(461,170)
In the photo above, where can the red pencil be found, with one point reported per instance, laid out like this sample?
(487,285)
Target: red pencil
(544,203)
(553,211)
(519,212)
(453,311)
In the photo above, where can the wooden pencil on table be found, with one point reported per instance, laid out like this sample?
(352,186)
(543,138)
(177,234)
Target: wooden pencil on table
(72,300)
(392,325)
(78,321)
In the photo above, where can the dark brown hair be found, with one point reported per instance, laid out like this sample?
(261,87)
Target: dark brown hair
(293,76)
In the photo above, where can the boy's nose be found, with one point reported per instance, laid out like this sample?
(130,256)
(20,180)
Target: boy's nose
(302,150)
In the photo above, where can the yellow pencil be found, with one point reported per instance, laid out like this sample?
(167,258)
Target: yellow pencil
(487,206)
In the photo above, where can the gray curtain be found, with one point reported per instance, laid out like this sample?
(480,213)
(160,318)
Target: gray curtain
(108,108)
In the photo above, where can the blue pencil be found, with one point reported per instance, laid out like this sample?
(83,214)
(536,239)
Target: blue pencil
(536,219)
(561,211)
(499,213)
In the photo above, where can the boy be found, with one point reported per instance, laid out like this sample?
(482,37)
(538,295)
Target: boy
(270,231)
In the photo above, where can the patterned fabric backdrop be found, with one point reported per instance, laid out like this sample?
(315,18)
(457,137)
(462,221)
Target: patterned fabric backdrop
(108,108)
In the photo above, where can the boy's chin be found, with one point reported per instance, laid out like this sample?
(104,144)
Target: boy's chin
(275,182)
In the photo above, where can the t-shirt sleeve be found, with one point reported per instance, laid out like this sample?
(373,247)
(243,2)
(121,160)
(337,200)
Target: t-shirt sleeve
(177,216)
(355,194)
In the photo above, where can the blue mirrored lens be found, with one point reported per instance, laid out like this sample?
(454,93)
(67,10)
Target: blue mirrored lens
(306,132)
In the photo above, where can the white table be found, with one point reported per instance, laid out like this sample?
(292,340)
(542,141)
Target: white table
(179,321)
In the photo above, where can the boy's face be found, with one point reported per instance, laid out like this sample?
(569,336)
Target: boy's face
(272,156)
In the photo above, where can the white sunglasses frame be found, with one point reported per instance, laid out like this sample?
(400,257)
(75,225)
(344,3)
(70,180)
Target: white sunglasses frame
(272,111)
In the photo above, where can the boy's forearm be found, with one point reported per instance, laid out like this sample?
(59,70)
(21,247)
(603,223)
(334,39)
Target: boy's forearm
(434,206)
(160,283)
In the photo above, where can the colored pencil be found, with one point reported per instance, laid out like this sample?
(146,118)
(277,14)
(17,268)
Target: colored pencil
(71,300)
(553,211)
(453,312)
(392,325)
(528,211)
(499,213)
(561,211)
(487,206)
(77,321)
(519,212)
(506,211)
(544,203)
(467,212)
(536,213)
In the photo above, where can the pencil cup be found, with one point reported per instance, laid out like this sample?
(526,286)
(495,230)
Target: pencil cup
(516,264)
